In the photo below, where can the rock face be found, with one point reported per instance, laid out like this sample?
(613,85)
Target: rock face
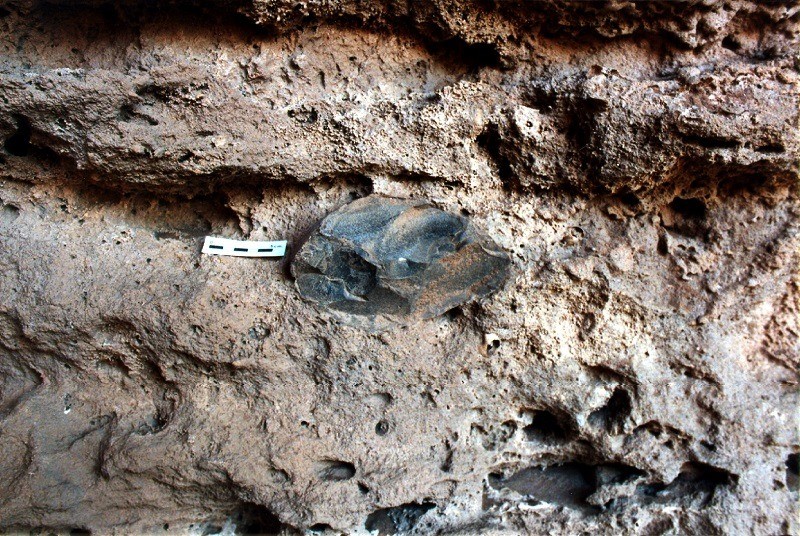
(637,372)
(381,261)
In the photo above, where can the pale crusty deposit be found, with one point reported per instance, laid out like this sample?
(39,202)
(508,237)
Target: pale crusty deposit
(637,372)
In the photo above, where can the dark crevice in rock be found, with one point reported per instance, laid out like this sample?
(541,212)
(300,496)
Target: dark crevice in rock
(686,217)
(545,427)
(491,142)
(335,470)
(793,472)
(773,148)
(572,484)
(711,142)
(582,131)
(19,143)
(257,519)
(476,56)
(605,373)
(613,415)
(568,484)
(731,43)
(398,519)
(130,112)
(696,481)
(711,181)
(691,209)
(382,428)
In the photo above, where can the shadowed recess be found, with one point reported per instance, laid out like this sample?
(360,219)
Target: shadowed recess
(398,519)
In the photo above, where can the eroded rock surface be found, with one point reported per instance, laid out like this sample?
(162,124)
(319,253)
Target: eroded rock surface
(636,374)
(381,261)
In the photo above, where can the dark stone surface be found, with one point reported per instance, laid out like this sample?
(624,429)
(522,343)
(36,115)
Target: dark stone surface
(637,159)
(381,261)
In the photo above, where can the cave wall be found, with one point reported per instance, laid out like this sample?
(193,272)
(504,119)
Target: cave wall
(637,374)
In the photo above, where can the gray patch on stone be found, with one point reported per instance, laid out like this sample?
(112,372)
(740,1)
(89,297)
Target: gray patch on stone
(380,262)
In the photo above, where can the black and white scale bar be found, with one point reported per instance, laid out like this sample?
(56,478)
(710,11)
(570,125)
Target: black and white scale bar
(243,248)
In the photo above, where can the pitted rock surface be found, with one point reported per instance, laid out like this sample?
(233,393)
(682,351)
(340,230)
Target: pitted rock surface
(381,261)
(636,374)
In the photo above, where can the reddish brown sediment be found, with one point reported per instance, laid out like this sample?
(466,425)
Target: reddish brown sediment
(636,374)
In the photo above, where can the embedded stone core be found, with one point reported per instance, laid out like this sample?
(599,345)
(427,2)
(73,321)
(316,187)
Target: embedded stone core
(380,262)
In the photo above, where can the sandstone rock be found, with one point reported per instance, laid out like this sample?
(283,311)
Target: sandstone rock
(381,261)
(638,162)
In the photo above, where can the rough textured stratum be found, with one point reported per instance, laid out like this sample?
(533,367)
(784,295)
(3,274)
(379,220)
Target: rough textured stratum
(637,372)
(381,261)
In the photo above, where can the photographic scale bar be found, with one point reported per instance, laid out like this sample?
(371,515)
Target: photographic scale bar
(243,248)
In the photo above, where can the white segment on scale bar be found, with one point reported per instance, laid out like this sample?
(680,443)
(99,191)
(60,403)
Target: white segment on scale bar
(243,248)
